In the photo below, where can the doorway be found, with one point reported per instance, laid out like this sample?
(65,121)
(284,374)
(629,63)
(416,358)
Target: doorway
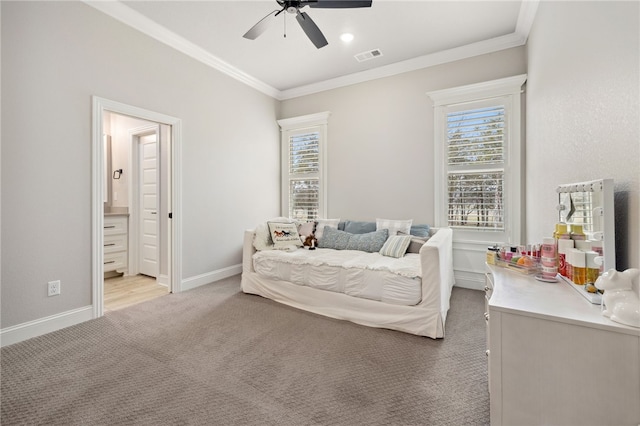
(150,193)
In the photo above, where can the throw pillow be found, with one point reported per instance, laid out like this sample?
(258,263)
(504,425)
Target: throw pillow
(322,223)
(334,239)
(355,227)
(420,230)
(416,243)
(284,234)
(370,242)
(396,246)
(394,225)
(306,229)
(262,238)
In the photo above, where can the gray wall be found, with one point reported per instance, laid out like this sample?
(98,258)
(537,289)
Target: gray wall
(583,117)
(55,56)
(380,152)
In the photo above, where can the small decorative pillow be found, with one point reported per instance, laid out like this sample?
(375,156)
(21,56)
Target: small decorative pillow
(396,246)
(394,226)
(322,223)
(284,234)
(262,239)
(416,243)
(306,228)
(370,242)
(420,231)
(355,227)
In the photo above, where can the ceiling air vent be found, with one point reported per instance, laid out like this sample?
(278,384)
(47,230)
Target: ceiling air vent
(371,54)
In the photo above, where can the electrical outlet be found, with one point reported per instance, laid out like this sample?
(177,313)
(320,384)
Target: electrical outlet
(54,288)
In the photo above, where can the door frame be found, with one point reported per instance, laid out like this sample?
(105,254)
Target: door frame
(134,193)
(98,176)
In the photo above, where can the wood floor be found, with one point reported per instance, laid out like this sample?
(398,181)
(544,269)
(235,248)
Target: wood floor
(120,292)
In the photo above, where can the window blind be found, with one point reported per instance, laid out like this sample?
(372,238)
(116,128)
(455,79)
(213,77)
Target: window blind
(304,179)
(475,173)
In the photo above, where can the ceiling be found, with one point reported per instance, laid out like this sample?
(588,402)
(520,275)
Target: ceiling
(409,34)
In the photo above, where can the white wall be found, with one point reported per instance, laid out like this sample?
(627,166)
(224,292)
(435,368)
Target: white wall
(55,56)
(381,145)
(583,115)
(380,154)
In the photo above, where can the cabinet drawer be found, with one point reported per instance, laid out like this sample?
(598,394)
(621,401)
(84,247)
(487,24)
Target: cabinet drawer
(115,243)
(115,261)
(114,225)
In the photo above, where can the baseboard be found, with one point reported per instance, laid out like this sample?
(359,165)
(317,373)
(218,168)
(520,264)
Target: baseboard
(27,330)
(471,280)
(209,277)
(163,280)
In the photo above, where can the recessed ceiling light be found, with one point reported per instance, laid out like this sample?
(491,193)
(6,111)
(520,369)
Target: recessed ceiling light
(346,37)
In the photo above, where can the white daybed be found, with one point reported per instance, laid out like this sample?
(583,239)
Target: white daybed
(425,318)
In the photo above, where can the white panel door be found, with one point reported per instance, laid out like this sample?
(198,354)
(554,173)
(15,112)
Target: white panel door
(148,250)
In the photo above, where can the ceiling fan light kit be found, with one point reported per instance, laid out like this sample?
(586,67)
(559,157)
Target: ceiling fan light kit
(304,20)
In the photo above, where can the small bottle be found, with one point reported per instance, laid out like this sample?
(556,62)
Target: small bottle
(577,233)
(548,259)
(564,246)
(561,232)
(578,267)
(593,269)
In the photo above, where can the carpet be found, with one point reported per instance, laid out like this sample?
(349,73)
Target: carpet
(216,356)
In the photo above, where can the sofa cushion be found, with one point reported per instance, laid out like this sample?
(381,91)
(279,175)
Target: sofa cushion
(394,225)
(396,246)
(355,227)
(284,234)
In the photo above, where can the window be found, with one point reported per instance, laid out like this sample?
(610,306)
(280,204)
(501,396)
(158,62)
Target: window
(478,160)
(304,142)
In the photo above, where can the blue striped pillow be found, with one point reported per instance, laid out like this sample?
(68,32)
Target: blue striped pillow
(396,246)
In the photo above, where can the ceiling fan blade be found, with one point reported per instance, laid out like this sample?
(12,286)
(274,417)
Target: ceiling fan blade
(261,26)
(311,30)
(338,4)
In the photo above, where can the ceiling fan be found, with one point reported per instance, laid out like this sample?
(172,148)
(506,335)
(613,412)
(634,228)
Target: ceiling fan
(308,26)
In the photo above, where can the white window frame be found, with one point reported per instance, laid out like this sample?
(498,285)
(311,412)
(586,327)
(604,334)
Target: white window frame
(298,125)
(507,92)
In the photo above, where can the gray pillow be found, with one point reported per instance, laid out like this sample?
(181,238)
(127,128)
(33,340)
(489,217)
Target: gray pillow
(416,243)
(355,227)
(370,242)
(341,240)
(334,239)
(420,230)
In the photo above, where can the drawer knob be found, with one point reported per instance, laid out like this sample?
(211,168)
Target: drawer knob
(487,289)
(486,316)
(487,352)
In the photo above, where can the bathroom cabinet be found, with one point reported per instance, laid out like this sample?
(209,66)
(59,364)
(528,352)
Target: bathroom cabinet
(115,243)
(554,359)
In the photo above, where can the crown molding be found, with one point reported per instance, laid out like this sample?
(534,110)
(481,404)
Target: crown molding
(128,16)
(136,20)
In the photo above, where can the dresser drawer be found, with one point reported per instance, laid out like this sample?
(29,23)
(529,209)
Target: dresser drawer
(114,225)
(114,261)
(115,243)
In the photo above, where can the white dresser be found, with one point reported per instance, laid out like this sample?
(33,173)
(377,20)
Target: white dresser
(554,359)
(115,242)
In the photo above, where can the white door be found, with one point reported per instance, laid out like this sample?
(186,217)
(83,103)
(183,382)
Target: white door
(148,250)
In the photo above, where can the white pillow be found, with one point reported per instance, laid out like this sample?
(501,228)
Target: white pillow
(331,223)
(394,226)
(262,238)
(284,234)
